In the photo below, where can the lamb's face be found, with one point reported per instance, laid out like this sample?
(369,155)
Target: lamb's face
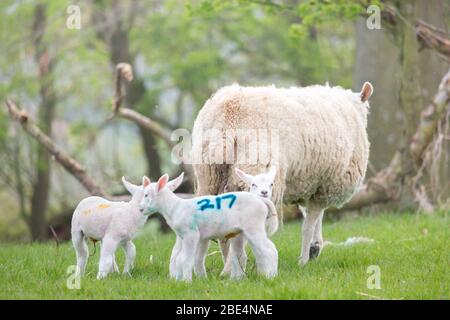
(152,193)
(261,184)
(146,206)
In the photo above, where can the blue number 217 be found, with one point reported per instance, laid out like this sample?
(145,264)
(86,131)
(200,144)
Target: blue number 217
(206,203)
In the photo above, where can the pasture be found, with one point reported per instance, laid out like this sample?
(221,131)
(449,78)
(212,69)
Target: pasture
(411,251)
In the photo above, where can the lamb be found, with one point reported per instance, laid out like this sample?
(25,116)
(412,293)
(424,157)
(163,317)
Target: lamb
(261,185)
(198,220)
(317,140)
(113,223)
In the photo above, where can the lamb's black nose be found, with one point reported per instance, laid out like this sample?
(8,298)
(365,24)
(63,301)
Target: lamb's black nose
(264,193)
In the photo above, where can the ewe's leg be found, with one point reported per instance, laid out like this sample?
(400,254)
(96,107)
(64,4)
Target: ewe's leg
(82,251)
(187,255)
(106,264)
(317,242)
(265,253)
(173,267)
(200,256)
(237,257)
(130,255)
(309,224)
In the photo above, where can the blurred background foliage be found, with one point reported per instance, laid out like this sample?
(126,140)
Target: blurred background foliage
(181,51)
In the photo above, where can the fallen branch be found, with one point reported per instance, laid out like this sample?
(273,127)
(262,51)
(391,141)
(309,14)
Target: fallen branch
(70,164)
(428,35)
(386,185)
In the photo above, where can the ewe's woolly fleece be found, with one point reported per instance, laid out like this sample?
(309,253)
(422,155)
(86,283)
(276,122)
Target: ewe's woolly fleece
(323,145)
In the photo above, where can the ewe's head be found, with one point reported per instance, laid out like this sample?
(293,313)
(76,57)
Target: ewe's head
(149,203)
(260,184)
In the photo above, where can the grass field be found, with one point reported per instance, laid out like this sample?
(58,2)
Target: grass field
(411,250)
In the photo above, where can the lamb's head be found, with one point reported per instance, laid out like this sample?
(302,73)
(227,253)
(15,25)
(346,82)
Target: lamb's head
(260,184)
(152,193)
(136,191)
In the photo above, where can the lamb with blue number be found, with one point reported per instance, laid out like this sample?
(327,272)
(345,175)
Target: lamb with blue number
(198,220)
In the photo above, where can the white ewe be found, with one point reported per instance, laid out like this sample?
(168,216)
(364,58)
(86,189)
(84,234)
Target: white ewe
(318,141)
(113,223)
(198,220)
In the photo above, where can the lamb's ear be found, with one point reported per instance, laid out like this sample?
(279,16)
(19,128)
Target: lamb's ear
(175,183)
(272,172)
(366,91)
(129,186)
(248,179)
(162,182)
(145,181)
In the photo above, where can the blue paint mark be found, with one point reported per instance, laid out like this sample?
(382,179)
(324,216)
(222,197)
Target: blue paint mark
(218,202)
(205,204)
(232,197)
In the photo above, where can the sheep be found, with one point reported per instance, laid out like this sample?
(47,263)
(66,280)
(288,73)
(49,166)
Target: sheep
(113,223)
(198,220)
(318,141)
(260,185)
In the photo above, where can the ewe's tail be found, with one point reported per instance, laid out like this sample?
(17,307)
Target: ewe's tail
(272,217)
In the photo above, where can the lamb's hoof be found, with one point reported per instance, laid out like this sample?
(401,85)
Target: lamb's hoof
(314,250)
(101,275)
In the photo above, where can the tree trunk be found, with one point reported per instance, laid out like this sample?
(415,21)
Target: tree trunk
(41,186)
(383,129)
(116,37)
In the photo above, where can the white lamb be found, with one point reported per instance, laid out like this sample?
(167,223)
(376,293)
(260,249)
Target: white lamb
(113,223)
(198,220)
(260,185)
(320,146)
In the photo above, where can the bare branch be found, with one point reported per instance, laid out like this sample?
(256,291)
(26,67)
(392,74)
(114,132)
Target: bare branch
(70,164)
(124,71)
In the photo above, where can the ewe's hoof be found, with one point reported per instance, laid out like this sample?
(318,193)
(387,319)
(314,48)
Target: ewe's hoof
(314,250)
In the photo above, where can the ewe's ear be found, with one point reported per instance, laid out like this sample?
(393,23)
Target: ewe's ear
(162,182)
(248,179)
(129,186)
(366,91)
(145,181)
(175,183)
(272,172)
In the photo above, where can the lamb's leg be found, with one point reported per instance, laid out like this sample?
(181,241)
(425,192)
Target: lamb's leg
(82,251)
(317,242)
(226,252)
(173,267)
(265,253)
(187,255)
(106,264)
(309,224)
(199,266)
(237,257)
(130,255)
(115,266)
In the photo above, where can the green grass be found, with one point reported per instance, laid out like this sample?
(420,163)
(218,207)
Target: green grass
(411,250)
